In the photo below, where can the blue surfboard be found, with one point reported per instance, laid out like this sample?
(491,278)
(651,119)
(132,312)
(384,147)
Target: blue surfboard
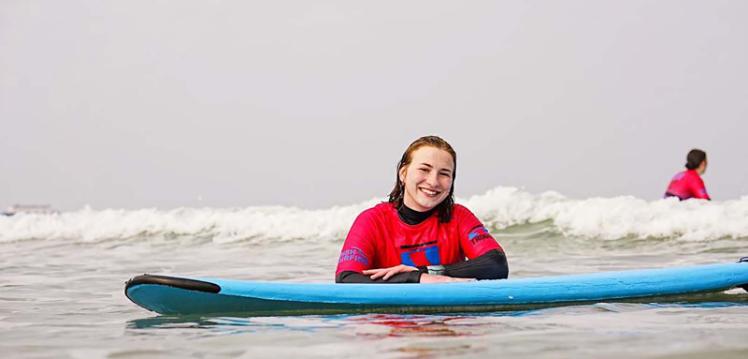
(181,295)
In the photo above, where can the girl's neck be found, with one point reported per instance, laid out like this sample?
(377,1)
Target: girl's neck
(411,216)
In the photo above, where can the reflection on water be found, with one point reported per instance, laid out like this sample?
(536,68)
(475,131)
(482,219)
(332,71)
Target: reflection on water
(602,329)
(417,325)
(397,325)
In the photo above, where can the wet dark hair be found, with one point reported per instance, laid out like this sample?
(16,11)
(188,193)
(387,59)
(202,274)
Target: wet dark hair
(694,158)
(444,209)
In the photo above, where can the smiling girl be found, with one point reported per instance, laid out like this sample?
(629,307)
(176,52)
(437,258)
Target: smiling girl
(420,235)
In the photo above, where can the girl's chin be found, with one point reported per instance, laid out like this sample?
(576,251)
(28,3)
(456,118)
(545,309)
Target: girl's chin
(428,204)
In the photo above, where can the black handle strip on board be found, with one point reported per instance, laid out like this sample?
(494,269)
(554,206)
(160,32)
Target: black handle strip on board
(183,283)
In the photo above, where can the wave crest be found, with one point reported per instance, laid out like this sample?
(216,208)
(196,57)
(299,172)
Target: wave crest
(499,208)
(615,217)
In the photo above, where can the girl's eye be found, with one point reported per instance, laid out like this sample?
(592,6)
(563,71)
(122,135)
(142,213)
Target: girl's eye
(423,169)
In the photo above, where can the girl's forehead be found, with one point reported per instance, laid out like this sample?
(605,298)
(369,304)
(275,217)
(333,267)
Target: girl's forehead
(432,155)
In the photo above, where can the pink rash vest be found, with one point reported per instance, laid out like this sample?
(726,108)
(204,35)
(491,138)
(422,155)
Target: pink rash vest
(379,239)
(687,184)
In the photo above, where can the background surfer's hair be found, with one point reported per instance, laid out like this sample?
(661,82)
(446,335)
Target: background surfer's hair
(694,158)
(443,209)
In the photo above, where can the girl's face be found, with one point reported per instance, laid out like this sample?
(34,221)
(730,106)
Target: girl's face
(427,179)
(702,167)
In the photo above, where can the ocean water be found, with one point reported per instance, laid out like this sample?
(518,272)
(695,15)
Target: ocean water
(62,278)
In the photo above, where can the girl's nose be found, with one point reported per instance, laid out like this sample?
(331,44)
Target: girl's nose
(433,178)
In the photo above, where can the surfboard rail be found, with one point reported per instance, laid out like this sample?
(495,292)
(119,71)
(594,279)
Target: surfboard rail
(184,295)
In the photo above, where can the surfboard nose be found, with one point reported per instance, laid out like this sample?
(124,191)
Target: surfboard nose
(177,282)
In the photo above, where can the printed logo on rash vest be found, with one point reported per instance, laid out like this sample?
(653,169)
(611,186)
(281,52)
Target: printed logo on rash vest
(478,233)
(353,254)
(423,254)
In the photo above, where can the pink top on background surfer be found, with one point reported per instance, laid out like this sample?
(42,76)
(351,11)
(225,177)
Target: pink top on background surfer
(688,184)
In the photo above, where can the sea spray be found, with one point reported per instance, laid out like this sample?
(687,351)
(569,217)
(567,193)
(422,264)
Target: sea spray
(499,208)
(616,217)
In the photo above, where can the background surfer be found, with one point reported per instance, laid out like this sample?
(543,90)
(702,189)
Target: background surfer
(420,235)
(688,184)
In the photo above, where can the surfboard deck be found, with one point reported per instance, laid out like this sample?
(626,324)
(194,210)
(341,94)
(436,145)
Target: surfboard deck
(185,295)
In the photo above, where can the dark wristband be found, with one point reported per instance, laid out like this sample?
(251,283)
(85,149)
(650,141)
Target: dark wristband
(433,269)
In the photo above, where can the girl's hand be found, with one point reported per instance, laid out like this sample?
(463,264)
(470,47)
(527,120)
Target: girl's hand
(386,273)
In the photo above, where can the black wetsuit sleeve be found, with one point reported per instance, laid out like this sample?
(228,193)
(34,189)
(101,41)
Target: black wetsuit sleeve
(490,265)
(355,277)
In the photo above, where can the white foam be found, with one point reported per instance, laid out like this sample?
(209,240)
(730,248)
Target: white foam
(606,218)
(616,217)
(218,225)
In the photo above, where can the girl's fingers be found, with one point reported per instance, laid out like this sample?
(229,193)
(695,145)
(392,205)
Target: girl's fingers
(378,274)
(390,273)
(387,273)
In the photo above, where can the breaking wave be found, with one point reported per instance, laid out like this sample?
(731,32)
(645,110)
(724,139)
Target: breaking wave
(499,208)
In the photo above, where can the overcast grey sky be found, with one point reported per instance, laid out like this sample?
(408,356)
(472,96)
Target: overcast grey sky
(234,103)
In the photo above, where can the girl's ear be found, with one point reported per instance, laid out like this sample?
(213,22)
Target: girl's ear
(401,173)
